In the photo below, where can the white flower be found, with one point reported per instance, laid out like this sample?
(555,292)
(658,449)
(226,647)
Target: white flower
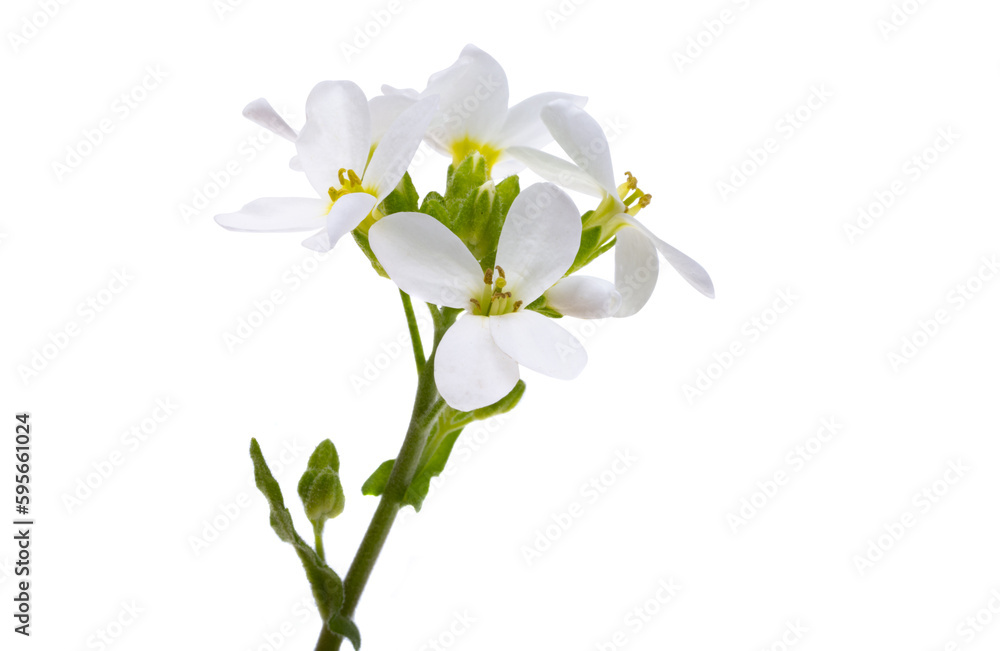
(636,262)
(476,362)
(473,114)
(351,171)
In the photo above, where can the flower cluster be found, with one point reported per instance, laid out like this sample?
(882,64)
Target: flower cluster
(505,261)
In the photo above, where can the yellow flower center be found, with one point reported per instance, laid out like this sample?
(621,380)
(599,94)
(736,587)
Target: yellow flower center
(494,301)
(349,182)
(462,148)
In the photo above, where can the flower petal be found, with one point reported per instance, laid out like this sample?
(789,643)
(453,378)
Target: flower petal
(538,343)
(554,169)
(262,113)
(524,125)
(584,297)
(395,152)
(474,96)
(689,270)
(426,259)
(276,215)
(345,215)
(539,240)
(336,135)
(583,139)
(469,370)
(384,110)
(636,268)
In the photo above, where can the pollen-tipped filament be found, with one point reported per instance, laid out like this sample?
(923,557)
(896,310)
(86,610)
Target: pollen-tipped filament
(494,301)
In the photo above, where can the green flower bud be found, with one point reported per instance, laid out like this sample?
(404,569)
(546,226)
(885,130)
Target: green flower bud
(320,489)
(322,494)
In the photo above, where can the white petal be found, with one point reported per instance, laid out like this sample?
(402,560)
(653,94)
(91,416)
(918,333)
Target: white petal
(583,139)
(539,240)
(262,113)
(689,270)
(393,155)
(554,169)
(345,215)
(348,211)
(336,135)
(469,370)
(636,268)
(426,259)
(276,215)
(584,297)
(474,96)
(384,110)
(524,125)
(538,343)
(504,167)
(295,164)
(319,242)
(403,92)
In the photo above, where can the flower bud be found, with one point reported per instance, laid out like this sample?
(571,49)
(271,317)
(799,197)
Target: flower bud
(322,495)
(320,489)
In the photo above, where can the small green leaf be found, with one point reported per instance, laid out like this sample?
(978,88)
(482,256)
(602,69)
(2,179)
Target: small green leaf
(437,451)
(281,519)
(375,485)
(432,467)
(343,626)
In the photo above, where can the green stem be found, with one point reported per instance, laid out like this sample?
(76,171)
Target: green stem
(318,533)
(411,322)
(427,406)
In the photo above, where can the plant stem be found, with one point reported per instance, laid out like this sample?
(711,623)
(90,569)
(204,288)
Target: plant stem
(318,533)
(427,406)
(411,322)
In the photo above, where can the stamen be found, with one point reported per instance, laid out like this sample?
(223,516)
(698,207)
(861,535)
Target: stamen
(479,308)
(632,197)
(644,201)
(500,271)
(354,178)
(488,276)
(517,305)
(340,176)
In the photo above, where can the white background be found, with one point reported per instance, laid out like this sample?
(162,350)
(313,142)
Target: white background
(680,128)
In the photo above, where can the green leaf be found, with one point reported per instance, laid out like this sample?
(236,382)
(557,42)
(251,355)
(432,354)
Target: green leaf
(343,626)
(375,485)
(440,443)
(432,467)
(327,588)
